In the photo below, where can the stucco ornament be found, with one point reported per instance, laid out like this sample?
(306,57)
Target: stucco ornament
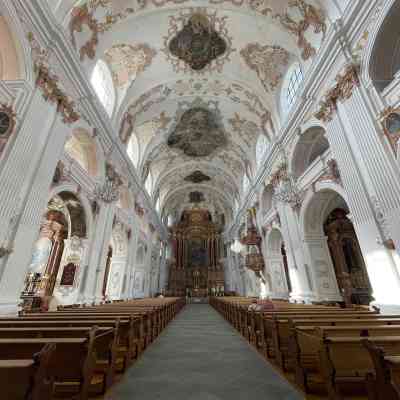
(381,220)
(247,130)
(197,41)
(199,131)
(268,62)
(126,61)
(310,17)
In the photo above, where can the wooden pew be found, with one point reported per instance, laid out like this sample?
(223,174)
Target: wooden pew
(342,363)
(145,328)
(127,332)
(72,365)
(105,346)
(277,329)
(305,346)
(383,384)
(27,378)
(89,342)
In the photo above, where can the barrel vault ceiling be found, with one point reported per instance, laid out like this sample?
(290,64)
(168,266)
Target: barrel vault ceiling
(197,82)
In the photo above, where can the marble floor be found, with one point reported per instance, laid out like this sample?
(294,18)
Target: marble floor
(199,356)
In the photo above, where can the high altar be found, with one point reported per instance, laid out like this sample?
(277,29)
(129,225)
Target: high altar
(196,270)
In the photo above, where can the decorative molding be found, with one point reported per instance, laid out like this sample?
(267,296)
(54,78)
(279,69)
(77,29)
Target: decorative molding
(383,224)
(49,83)
(342,91)
(331,173)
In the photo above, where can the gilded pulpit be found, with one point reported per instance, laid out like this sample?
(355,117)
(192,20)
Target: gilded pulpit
(196,271)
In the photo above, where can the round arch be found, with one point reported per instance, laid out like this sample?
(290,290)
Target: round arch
(85,151)
(337,263)
(310,145)
(318,204)
(87,207)
(15,51)
(383,40)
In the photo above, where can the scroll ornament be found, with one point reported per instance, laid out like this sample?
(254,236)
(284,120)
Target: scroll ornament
(342,91)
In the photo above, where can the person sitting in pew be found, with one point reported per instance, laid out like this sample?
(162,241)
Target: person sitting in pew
(267,304)
(254,306)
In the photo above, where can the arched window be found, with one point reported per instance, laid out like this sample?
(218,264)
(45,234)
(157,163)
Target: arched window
(236,206)
(385,57)
(103,85)
(292,83)
(170,220)
(9,62)
(246,183)
(261,148)
(149,183)
(133,149)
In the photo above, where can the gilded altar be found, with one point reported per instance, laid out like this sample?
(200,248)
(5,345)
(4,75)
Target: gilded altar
(196,270)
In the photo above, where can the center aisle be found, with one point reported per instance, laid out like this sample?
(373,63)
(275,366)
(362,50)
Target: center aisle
(200,356)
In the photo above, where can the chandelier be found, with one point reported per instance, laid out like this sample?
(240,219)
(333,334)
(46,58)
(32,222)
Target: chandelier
(286,191)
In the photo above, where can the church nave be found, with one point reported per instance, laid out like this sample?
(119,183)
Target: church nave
(199,356)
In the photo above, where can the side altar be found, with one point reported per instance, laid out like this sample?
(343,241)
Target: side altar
(196,270)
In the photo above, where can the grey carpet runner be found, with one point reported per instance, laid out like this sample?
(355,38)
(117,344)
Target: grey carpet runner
(199,356)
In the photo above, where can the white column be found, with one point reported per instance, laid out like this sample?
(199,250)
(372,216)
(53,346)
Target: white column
(126,294)
(294,246)
(357,183)
(26,179)
(102,228)
(100,261)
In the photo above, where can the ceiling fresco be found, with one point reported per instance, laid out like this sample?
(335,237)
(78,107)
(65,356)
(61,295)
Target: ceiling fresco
(207,78)
(199,132)
(197,177)
(197,43)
